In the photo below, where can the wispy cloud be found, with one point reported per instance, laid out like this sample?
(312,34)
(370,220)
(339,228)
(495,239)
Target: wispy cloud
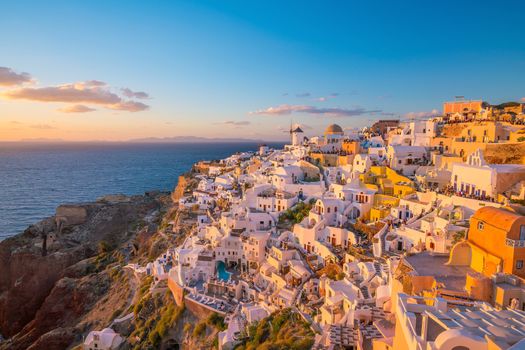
(42,126)
(76,109)
(325,98)
(329,112)
(134,94)
(522,99)
(303,94)
(283,129)
(9,77)
(421,115)
(234,123)
(92,92)
(129,106)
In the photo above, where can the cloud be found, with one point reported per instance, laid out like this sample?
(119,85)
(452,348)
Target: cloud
(324,98)
(15,122)
(235,123)
(83,92)
(129,106)
(522,99)
(91,92)
(8,77)
(42,126)
(95,83)
(421,115)
(303,94)
(134,94)
(76,109)
(329,112)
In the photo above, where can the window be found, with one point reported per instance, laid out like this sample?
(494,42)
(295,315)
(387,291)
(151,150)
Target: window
(519,264)
(522,233)
(481,225)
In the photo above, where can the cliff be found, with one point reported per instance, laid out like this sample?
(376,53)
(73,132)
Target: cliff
(63,276)
(179,190)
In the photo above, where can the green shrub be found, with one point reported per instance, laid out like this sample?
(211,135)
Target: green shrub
(287,331)
(199,330)
(187,327)
(154,338)
(104,247)
(217,321)
(297,213)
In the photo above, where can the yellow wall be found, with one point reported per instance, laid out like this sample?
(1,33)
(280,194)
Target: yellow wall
(325,159)
(516,135)
(381,199)
(479,287)
(351,147)
(377,213)
(491,241)
(402,190)
(380,344)
(388,181)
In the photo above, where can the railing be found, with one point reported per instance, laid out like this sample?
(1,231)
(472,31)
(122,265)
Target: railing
(515,243)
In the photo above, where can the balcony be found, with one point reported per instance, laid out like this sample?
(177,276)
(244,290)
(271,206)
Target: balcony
(515,243)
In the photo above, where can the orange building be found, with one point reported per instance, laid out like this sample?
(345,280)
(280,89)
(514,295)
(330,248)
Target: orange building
(499,236)
(462,107)
(351,147)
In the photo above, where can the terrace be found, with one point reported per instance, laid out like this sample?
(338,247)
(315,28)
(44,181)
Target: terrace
(218,304)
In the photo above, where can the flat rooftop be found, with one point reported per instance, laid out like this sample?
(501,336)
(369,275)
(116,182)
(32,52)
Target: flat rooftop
(451,277)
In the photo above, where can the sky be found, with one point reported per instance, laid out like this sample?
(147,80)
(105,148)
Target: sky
(121,70)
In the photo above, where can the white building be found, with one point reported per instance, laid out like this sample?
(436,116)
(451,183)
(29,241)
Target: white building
(477,178)
(362,163)
(406,159)
(434,323)
(297,135)
(105,339)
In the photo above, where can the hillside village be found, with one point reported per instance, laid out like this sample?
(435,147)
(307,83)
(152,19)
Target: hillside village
(401,235)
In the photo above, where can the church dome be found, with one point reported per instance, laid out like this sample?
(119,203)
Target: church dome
(333,129)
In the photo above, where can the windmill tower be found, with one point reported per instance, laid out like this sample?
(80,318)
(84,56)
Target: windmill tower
(297,135)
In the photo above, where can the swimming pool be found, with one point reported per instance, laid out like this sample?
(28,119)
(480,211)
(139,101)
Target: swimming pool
(222,274)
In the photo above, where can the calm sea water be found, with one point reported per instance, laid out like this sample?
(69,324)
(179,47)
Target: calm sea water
(36,178)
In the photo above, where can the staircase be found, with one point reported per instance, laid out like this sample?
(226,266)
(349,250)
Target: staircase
(364,290)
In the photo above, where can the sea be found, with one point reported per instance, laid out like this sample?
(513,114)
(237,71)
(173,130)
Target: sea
(37,177)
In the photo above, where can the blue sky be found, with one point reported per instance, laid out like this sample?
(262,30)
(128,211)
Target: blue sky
(246,69)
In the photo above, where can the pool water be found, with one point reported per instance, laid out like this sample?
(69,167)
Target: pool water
(222,274)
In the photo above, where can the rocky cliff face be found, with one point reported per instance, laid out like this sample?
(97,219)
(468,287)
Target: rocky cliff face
(51,275)
(178,192)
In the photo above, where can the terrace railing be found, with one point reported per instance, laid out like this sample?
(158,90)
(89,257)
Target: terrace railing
(515,243)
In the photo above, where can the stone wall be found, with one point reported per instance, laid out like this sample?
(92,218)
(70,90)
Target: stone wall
(198,310)
(177,291)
